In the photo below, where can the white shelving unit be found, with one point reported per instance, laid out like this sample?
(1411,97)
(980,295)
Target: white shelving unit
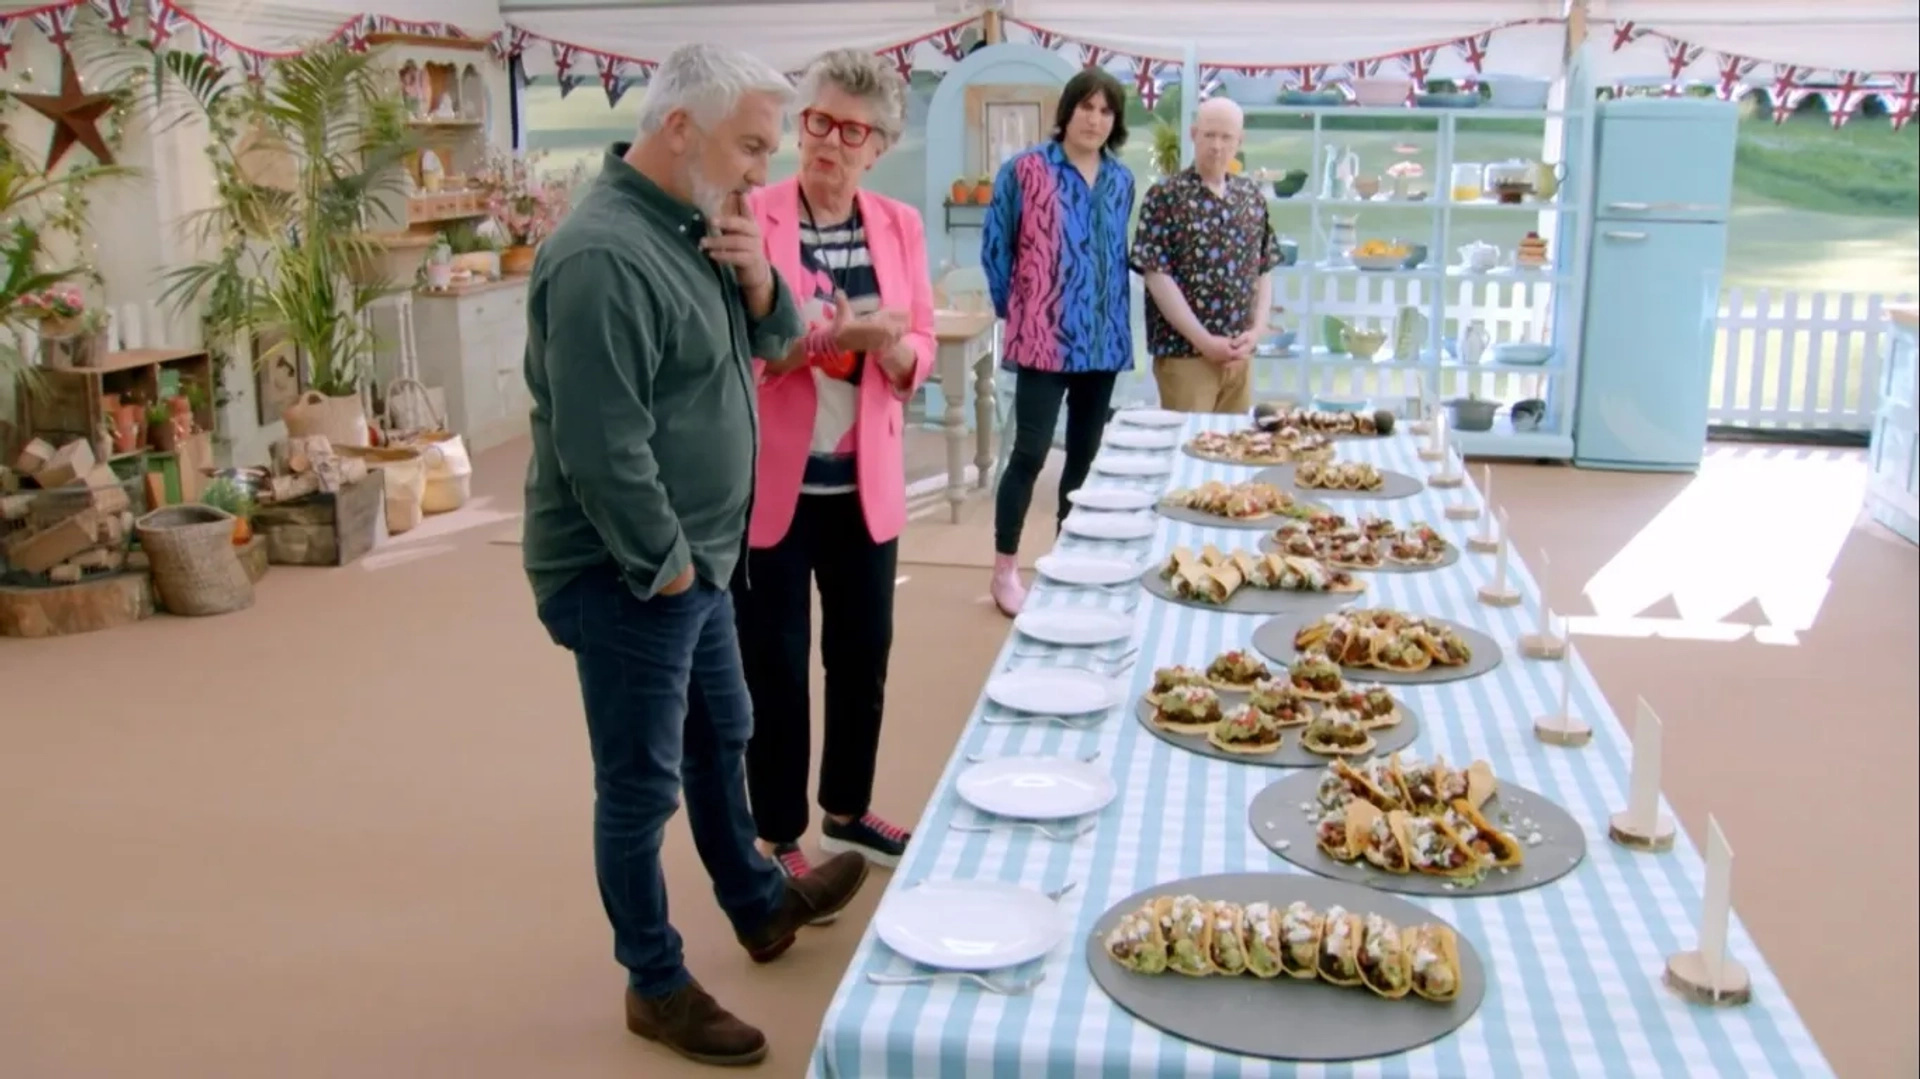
(1309,289)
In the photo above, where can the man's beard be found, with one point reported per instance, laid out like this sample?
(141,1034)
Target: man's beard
(708,197)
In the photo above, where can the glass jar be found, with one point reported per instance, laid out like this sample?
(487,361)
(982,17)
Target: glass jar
(1465,183)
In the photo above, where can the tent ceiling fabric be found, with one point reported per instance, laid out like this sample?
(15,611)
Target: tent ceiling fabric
(1266,32)
(786,35)
(1872,36)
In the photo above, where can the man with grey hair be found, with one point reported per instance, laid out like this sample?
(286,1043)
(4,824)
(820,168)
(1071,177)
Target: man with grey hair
(645,312)
(1206,248)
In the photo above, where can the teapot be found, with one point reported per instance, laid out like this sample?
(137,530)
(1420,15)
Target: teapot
(1479,256)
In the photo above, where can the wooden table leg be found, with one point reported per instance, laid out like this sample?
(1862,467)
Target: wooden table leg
(986,416)
(953,387)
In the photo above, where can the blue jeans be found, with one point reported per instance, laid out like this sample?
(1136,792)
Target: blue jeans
(667,711)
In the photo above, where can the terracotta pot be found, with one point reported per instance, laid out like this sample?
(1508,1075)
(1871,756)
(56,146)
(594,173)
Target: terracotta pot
(165,437)
(961,192)
(983,193)
(178,405)
(242,531)
(128,425)
(517,260)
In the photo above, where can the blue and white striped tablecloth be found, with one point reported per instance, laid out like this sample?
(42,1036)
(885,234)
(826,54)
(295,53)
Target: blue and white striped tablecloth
(1574,967)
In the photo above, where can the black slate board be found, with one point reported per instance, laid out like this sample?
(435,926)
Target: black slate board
(1278,822)
(1285,1018)
(1274,640)
(1290,754)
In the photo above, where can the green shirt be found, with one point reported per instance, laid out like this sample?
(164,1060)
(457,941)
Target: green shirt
(644,409)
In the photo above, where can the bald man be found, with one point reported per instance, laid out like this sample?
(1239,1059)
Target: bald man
(1207,251)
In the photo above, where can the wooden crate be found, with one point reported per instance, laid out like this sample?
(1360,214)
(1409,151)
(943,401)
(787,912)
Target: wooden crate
(323,529)
(70,400)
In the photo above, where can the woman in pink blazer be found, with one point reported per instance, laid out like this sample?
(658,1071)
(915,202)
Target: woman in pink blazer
(830,498)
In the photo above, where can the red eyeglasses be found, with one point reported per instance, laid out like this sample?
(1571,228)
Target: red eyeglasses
(852,133)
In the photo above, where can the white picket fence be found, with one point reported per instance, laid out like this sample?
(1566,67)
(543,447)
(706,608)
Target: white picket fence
(1791,360)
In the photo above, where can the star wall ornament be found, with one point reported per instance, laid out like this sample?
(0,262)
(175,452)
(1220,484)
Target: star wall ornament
(74,114)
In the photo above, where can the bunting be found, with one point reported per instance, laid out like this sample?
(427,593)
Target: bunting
(1634,54)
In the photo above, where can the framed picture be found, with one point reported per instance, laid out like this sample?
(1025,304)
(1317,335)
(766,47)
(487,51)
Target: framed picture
(279,383)
(1007,127)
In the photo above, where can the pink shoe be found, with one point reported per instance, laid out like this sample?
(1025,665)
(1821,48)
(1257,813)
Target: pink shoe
(1008,593)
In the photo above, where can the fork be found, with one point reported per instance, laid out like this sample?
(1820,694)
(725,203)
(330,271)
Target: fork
(1056,835)
(1078,723)
(1121,660)
(1006,990)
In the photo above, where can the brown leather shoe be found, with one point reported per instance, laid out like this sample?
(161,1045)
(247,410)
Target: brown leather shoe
(693,1024)
(820,894)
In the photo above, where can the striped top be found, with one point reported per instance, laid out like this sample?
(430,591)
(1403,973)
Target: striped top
(836,259)
(1054,249)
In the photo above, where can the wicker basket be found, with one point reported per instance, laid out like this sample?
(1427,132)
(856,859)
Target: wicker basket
(195,569)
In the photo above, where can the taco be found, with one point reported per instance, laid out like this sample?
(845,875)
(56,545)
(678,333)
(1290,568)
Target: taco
(1260,933)
(1246,562)
(1374,526)
(1314,633)
(1244,505)
(1401,651)
(1446,646)
(1300,930)
(1335,733)
(1433,962)
(1374,705)
(1137,943)
(1237,670)
(1211,555)
(1362,784)
(1226,942)
(1245,730)
(1211,584)
(1168,678)
(1379,772)
(1355,554)
(1435,850)
(1427,785)
(1383,958)
(1315,677)
(1295,543)
(1187,710)
(1339,959)
(1384,844)
(1489,843)
(1409,551)
(1341,831)
(1281,702)
(1177,563)
(1309,474)
(1481,783)
(1265,571)
(1187,923)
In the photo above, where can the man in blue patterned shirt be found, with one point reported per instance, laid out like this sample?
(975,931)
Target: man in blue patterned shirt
(1207,251)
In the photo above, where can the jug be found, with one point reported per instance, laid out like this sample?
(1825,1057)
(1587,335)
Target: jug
(1343,235)
(1474,341)
(1337,173)
(1546,179)
(1479,256)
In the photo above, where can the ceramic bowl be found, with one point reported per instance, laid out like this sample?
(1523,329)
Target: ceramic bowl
(1364,344)
(1378,263)
(1527,414)
(1340,404)
(1289,185)
(1379,93)
(1522,353)
(1416,255)
(1289,252)
(1309,97)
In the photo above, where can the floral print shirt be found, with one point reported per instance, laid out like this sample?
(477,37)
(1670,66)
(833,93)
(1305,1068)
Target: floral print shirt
(1215,247)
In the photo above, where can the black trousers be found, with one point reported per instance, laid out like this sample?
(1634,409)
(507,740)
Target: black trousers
(828,542)
(1037,396)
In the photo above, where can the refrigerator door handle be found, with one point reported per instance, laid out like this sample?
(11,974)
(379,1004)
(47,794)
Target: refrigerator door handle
(1665,207)
(1630,207)
(1616,234)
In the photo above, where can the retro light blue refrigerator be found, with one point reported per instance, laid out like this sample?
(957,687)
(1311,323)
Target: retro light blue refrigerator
(1662,193)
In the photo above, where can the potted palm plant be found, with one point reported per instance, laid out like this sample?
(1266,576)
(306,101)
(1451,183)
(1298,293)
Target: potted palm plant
(306,162)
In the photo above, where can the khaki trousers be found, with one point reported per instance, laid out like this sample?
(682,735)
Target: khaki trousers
(1196,384)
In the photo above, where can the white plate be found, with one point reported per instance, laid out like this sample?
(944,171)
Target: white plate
(1112,498)
(1132,466)
(1109,526)
(1036,788)
(1080,628)
(1133,438)
(1054,691)
(970,925)
(1151,417)
(1086,570)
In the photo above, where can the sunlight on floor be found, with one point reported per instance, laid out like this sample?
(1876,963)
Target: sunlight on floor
(1791,508)
(411,545)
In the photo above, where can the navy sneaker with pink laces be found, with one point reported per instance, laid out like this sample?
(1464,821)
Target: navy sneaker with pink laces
(876,840)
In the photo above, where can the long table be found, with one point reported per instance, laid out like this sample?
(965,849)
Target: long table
(1573,967)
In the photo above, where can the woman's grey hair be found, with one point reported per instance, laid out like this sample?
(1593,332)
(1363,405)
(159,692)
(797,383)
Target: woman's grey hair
(863,75)
(708,81)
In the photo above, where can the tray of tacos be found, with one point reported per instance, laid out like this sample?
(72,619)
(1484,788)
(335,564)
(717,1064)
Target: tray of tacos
(1369,543)
(1259,448)
(1379,645)
(1286,967)
(1363,424)
(1398,823)
(1237,708)
(1218,504)
(1341,479)
(1251,582)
